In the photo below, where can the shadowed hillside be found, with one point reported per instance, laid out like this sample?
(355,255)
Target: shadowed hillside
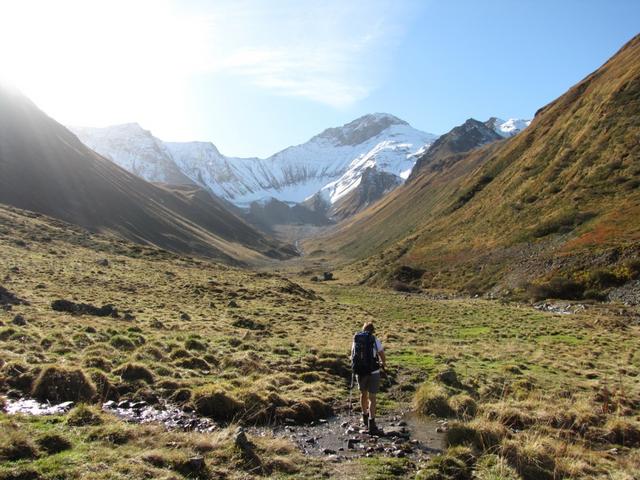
(45,168)
(562,199)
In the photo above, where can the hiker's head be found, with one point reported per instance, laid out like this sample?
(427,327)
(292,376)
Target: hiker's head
(368,327)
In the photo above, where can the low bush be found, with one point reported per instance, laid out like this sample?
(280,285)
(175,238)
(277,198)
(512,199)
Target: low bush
(623,431)
(14,445)
(557,287)
(53,443)
(133,371)
(463,406)
(84,415)
(494,467)
(122,342)
(193,344)
(530,457)
(455,464)
(431,399)
(562,224)
(215,402)
(56,384)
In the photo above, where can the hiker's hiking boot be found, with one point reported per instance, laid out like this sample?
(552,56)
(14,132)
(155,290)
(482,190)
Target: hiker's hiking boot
(365,420)
(373,429)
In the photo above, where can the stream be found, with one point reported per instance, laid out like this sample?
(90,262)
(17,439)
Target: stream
(337,438)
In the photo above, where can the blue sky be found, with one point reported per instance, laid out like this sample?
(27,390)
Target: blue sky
(256,76)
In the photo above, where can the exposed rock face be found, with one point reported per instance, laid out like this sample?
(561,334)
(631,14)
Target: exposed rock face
(373,186)
(471,134)
(274,212)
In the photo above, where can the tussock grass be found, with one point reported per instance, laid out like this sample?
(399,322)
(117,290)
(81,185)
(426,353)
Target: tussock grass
(55,384)
(432,399)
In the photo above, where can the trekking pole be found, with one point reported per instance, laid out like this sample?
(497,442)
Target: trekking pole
(351,396)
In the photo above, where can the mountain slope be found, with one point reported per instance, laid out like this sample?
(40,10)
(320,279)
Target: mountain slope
(372,187)
(45,168)
(471,134)
(560,199)
(332,161)
(135,150)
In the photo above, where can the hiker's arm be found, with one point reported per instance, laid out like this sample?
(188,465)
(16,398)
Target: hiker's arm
(383,359)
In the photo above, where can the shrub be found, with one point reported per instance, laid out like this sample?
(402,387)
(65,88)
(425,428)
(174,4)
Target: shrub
(494,467)
(122,342)
(309,377)
(16,446)
(98,362)
(56,384)
(459,434)
(455,464)
(463,406)
(53,443)
(530,457)
(133,371)
(623,431)
(83,415)
(180,353)
(557,287)
(400,286)
(193,344)
(633,267)
(212,401)
(431,399)
(562,224)
(194,363)
(602,278)
(116,434)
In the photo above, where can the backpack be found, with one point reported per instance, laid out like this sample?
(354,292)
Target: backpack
(363,359)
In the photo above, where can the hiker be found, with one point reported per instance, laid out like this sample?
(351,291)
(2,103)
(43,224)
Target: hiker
(367,359)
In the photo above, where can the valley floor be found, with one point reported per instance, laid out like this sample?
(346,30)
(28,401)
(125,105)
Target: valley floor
(525,393)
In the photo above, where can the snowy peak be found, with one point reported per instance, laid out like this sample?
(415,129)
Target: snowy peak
(507,128)
(332,162)
(361,129)
(135,150)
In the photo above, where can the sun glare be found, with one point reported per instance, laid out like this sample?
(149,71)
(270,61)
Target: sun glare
(99,61)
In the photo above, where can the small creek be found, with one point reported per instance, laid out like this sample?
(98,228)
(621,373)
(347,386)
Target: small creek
(337,438)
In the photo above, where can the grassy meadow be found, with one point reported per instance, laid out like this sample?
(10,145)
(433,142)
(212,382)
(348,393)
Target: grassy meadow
(527,394)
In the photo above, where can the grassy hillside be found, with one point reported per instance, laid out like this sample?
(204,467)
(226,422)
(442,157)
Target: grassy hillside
(527,393)
(560,199)
(45,168)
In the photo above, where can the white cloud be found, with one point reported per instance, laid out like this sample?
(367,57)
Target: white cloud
(331,52)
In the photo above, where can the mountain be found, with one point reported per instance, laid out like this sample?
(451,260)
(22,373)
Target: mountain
(373,185)
(471,134)
(135,150)
(46,169)
(556,206)
(274,212)
(507,128)
(332,161)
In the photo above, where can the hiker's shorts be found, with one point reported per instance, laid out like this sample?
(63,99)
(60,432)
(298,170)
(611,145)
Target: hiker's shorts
(369,383)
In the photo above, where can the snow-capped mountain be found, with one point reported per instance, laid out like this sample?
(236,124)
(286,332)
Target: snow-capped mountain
(507,128)
(332,161)
(135,150)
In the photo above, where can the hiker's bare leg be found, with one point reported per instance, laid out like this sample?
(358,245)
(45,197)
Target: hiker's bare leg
(364,401)
(372,405)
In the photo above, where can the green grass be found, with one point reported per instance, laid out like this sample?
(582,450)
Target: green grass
(470,332)
(411,359)
(285,345)
(560,338)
